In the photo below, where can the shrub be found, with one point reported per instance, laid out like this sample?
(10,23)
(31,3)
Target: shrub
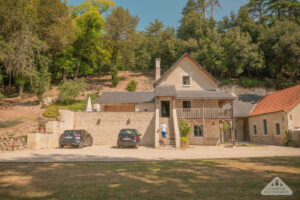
(131,86)
(69,90)
(9,123)
(114,77)
(41,82)
(51,111)
(184,128)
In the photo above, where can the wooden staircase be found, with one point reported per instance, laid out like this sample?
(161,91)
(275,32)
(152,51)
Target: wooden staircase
(170,140)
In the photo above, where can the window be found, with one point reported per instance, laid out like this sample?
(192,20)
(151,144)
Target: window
(186,80)
(254,130)
(186,104)
(277,127)
(265,127)
(198,131)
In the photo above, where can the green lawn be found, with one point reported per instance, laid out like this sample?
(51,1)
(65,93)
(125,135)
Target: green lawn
(192,179)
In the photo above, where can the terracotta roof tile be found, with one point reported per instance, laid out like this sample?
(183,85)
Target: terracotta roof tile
(282,100)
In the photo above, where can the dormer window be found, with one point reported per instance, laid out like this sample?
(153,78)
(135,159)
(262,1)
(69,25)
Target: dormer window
(186,80)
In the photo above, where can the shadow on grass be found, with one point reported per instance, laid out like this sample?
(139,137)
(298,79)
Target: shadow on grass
(188,179)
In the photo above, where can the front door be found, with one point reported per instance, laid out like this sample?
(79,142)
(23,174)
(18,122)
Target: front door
(165,108)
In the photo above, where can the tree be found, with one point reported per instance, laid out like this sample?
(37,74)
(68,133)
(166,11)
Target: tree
(213,4)
(41,82)
(257,9)
(196,5)
(240,54)
(89,24)
(120,25)
(281,47)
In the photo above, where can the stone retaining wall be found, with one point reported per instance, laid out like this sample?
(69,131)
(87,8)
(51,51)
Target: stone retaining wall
(13,143)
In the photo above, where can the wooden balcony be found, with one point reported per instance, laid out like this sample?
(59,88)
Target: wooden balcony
(209,113)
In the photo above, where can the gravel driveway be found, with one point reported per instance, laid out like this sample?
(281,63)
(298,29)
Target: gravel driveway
(108,153)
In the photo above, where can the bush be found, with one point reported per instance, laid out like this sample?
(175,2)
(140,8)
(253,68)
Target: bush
(114,77)
(69,90)
(41,82)
(9,123)
(184,128)
(51,111)
(131,86)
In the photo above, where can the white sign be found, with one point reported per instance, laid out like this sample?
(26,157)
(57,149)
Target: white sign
(277,187)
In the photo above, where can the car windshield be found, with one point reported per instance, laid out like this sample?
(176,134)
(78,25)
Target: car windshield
(71,133)
(127,132)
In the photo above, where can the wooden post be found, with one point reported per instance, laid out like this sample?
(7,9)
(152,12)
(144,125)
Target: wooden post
(232,125)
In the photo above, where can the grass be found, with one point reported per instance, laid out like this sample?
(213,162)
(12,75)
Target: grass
(190,179)
(9,123)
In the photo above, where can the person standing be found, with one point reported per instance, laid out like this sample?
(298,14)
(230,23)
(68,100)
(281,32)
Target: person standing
(163,129)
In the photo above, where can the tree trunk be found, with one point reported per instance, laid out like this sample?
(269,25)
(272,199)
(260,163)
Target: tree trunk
(64,75)
(77,68)
(213,11)
(20,90)
(9,83)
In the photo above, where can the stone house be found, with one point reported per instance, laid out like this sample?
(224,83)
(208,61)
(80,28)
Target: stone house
(274,115)
(185,91)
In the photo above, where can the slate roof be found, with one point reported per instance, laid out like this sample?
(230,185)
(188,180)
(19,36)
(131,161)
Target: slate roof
(165,91)
(244,104)
(187,94)
(282,100)
(126,97)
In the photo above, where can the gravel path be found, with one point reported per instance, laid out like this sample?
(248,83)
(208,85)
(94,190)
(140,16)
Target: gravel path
(108,153)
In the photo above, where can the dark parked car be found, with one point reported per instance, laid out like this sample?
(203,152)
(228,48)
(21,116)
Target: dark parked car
(78,138)
(128,137)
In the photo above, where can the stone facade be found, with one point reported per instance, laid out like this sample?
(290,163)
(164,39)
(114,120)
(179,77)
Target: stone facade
(198,79)
(294,117)
(271,137)
(105,126)
(288,121)
(211,132)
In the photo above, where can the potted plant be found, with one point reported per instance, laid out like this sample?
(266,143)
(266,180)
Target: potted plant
(184,129)
(42,125)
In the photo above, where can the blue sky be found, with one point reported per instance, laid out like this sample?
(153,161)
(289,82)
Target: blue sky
(167,11)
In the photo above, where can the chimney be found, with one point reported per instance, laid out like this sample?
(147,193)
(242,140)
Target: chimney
(157,69)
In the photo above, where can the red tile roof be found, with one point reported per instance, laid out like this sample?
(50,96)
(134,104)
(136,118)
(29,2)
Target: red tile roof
(282,100)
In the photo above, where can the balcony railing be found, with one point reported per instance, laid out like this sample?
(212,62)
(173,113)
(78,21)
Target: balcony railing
(209,113)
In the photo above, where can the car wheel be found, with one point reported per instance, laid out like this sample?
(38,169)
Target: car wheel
(80,146)
(61,146)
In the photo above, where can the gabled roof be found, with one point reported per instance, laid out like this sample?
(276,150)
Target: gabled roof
(186,55)
(282,100)
(126,97)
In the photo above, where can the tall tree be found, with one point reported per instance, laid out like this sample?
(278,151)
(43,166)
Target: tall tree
(120,25)
(90,22)
(213,4)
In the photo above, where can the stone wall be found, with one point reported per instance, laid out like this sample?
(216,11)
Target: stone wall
(42,140)
(271,137)
(211,134)
(294,118)
(105,126)
(13,143)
